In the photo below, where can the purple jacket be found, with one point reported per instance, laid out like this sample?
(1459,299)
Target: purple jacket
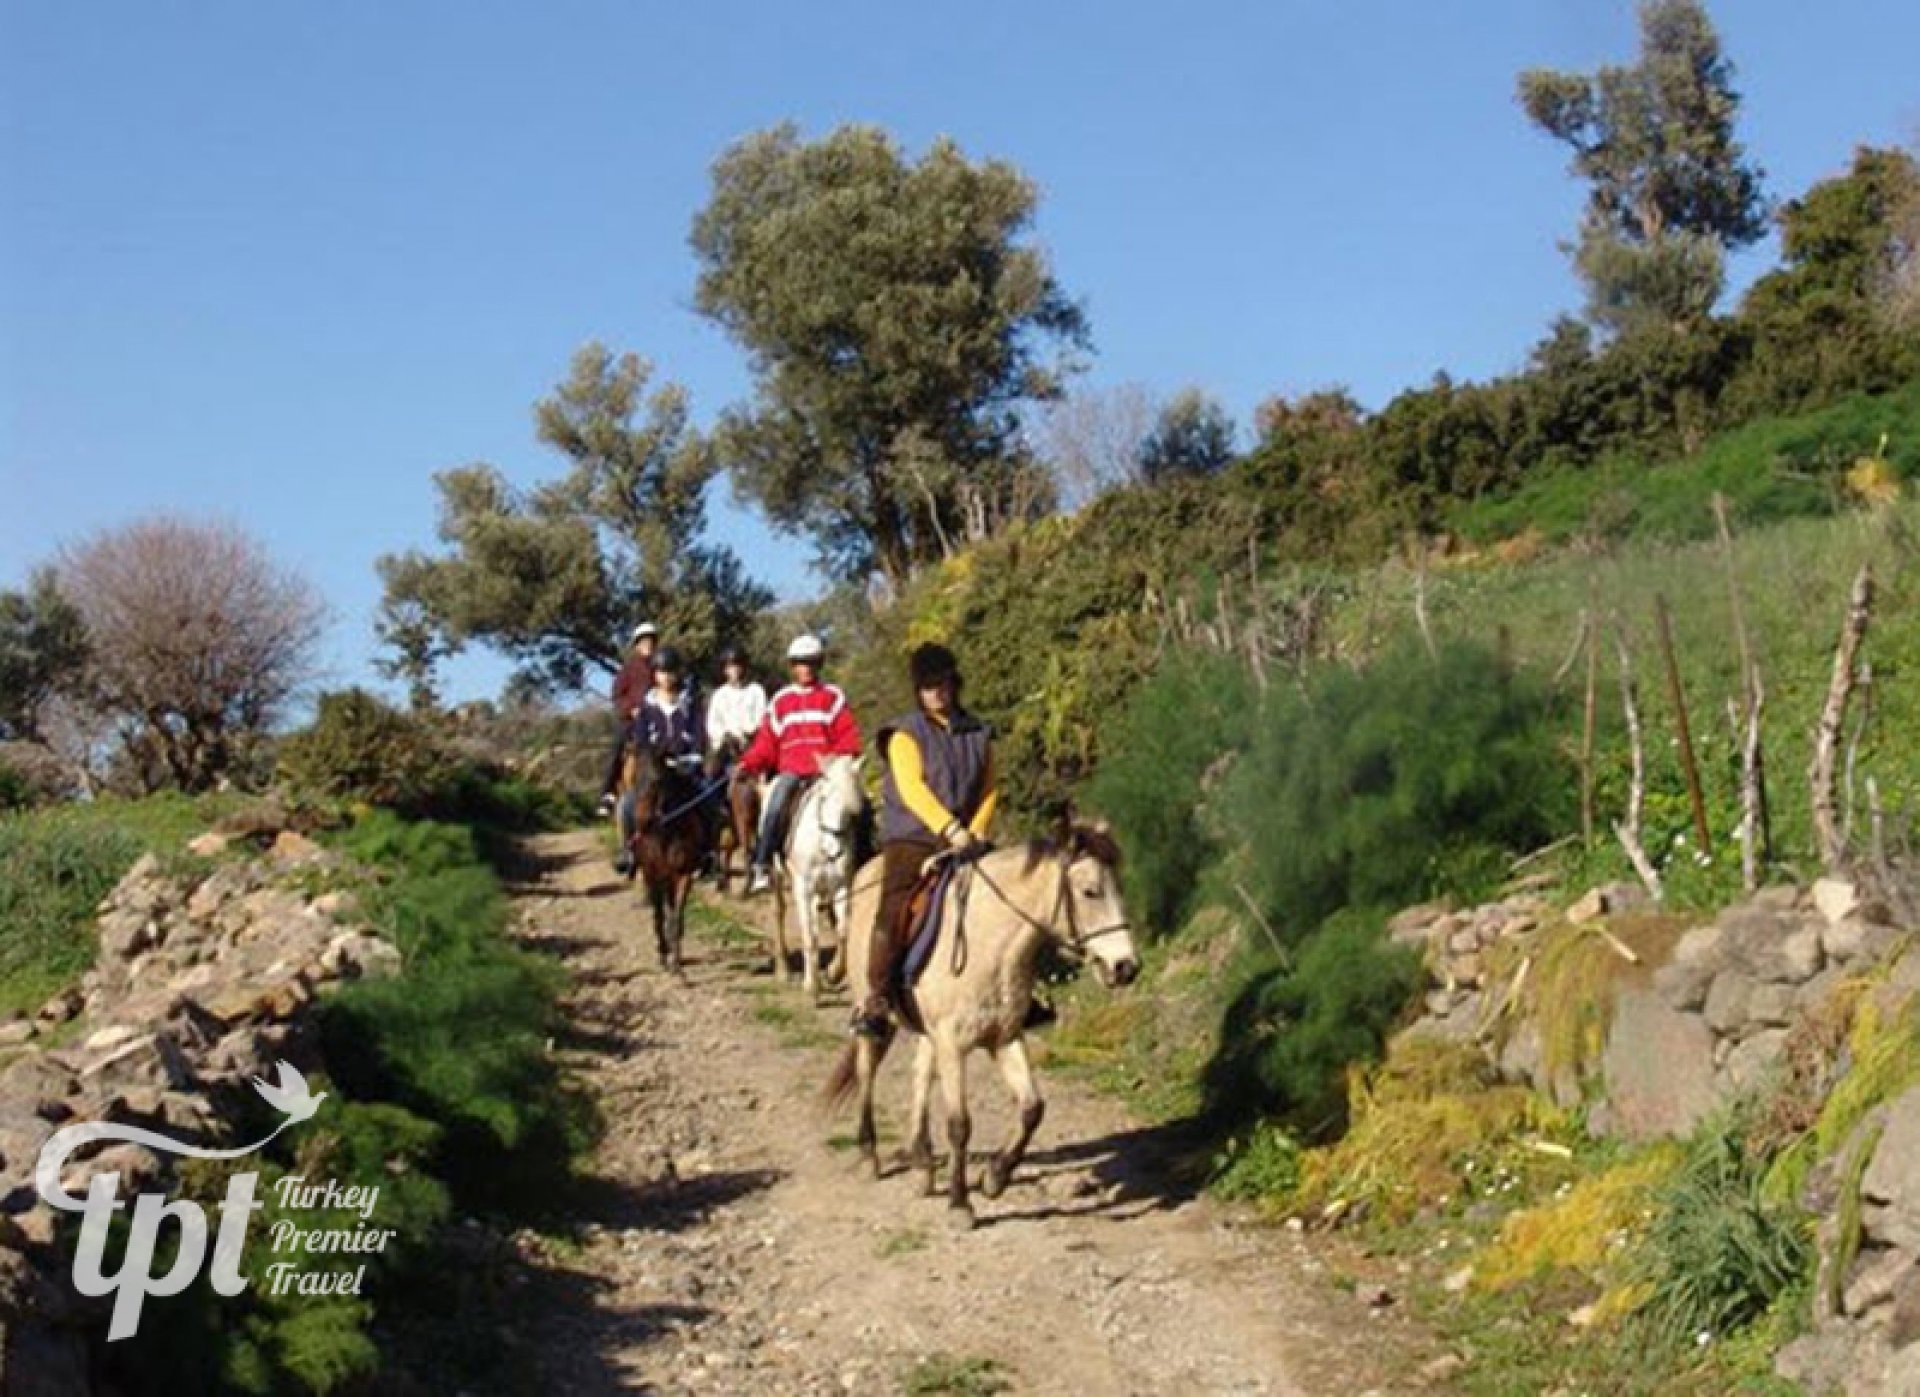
(678,731)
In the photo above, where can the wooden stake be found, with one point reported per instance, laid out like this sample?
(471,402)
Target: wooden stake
(1420,599)
(1682,730)
(1756,843)
(1628,830)
(1833,714)
(1587,723)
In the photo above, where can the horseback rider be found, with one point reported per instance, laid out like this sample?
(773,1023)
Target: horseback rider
(807,720)
(737,706)
(630,688)
(667,722)
(939,795)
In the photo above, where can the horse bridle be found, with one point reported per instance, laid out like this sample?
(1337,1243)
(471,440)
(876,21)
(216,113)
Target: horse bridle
(1077,940)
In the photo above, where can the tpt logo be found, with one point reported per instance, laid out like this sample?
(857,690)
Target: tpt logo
(135,1281)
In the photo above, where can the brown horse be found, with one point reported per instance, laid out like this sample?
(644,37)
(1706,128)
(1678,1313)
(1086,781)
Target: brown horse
(736,832)
(664,828)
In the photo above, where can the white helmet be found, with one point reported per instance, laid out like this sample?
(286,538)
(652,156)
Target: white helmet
(642,631)
(806,649)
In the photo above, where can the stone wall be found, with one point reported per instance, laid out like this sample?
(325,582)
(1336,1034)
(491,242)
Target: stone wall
(1705,1025)
(202,983)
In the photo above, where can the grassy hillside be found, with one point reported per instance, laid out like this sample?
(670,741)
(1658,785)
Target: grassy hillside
(1772,469)
(60,861)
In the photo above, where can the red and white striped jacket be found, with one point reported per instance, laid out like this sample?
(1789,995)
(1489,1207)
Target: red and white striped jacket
(801,726)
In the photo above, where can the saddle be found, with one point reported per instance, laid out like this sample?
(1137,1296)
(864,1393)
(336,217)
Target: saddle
(919,925)
(786,824)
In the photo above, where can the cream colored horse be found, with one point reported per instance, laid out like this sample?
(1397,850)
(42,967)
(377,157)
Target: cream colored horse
(815,871)
(978,986)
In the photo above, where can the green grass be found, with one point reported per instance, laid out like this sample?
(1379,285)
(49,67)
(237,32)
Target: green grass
(904,1242)
(60,861)
(1794,579)
(953,1376)
(1773,469)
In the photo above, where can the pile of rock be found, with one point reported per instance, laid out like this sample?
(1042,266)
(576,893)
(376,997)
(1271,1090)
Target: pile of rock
(202,983)
(1458,947)
(1868,1344)
(1716,1018)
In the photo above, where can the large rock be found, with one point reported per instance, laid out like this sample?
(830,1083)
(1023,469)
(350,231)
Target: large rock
(1771,941)
(1704,946)
(1771,1006)
(1684,983)
(1752,1060)
(1727,1000)
(1835,898)
(1659,1067)
(1891,1187)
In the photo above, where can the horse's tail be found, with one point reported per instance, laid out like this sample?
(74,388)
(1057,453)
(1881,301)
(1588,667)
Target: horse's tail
(846,1075)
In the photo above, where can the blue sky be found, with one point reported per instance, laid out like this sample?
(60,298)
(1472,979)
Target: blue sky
(278,263)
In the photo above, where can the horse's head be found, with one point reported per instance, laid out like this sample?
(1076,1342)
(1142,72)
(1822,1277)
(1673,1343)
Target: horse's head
(1091,916)
(842,797)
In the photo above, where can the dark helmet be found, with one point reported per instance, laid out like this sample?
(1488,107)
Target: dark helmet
(733,655)
(668,660)
(931,665)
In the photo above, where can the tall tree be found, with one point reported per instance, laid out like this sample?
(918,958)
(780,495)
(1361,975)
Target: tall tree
(1192,436)
(196,641)
(1670,188)
(898,319)
(1826,320)
(43,649)
(553,577)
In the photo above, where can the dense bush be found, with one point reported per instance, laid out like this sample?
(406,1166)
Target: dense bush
(1296,1026)
(56,874)
(361,749)
(1154,777)
(1373,788)
(459,1037)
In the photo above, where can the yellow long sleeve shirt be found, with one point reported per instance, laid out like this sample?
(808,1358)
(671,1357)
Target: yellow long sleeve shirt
(910,777)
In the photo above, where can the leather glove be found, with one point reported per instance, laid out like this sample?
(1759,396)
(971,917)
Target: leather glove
(961,840)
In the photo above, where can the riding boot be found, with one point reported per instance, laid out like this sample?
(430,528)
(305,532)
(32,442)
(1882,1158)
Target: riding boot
(901,862)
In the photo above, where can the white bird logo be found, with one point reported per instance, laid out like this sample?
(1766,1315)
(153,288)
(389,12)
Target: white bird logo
(292,1098)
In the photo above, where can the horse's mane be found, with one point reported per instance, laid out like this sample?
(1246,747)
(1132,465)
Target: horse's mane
(1080,841)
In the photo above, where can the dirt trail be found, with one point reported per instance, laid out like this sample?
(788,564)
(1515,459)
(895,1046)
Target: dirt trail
(730,1244)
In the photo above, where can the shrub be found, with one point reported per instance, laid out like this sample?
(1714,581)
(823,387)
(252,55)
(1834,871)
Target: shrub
(459,1037)
(1377,788)
(1432,1126)
(56,874)
(1719,1252)
(1289,1035)
(360,748)
(1154,780)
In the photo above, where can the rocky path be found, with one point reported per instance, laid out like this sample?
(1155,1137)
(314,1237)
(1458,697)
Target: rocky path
(728,1244)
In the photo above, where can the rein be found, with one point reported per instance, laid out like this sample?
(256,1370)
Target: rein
(706,793)
(1077,939)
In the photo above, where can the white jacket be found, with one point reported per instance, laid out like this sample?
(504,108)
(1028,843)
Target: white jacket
(735,710)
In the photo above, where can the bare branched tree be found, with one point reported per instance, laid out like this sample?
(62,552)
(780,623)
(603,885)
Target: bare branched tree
(1093,438)
(196,637)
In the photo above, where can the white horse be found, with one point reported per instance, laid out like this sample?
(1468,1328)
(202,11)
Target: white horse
(816,869)
(978,985)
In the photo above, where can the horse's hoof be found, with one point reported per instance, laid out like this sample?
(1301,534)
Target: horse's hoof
(960,1217)
(993,1181)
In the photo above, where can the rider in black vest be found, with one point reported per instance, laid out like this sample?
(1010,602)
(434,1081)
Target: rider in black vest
(939,794)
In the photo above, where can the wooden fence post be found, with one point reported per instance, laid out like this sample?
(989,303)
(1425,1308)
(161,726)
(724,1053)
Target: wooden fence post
(1833,714)
(1682,729)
